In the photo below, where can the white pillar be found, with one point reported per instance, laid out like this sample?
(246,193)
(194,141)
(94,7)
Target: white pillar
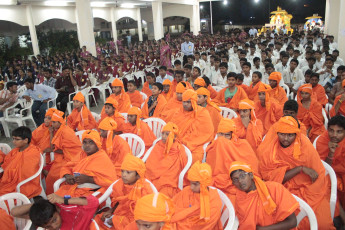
(32,29)
(333,18)
(327,15)
(195,19)
(157,13)
(140,31)
(341,30)
(113,26)
(85,25)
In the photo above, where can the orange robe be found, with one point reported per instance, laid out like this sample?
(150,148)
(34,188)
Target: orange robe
(187,211)
(251,213)
(168,95)
(41,137)
(123,214)
(279,94)
(253,91)
(233,104)
(159,107)
(124,102)
(170,108)
(275,161)
(120,150)
(6,221)
(164,170)
(338,163)
(269,117)
(120,120)
(253,133)
(341,109)
(174,84)
(146,89)
(76,122)
(97,165)
(312,118)
(215,116)
(194,131)
(213,92)
(66,140)
(145,133)
(320,93)
(221,153)
(136,98)
(19,166)
(244,87)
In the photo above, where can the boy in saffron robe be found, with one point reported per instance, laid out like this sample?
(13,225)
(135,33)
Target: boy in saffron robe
(277,91)
(154,105)
(134,94)
(120,96)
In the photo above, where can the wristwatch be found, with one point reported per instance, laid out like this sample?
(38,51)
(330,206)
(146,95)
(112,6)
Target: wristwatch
(66,198)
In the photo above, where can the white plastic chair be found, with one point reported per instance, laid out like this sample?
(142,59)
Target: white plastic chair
(37,174)
(21,90)
(333,177)
(287,89)
(86,92)
(52,103)
(58,183)
(205,154)
(5,148)
(20,119)
(102,88)
(12,200)
(228,212)
(325,118)
(328,107)
(136,144)
(314,143)
(80,134)
(306,210)
(96,116)
(228,113)
(144,96)
(156,125)
(95,224)
(125,116)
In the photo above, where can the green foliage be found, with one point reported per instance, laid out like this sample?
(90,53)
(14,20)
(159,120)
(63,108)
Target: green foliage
(53,42)
(101,41)
(15,51)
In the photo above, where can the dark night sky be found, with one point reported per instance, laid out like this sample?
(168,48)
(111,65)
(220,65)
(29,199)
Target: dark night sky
(240,11)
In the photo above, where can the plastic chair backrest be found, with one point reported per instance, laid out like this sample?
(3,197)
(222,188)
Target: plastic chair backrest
(5,148)
(125,116)
(80,134)
(228,113)
(306,210)
(185,169)
(156,125)
(136,144)
(286,88)
(333,177)
(96,116)
(325,118)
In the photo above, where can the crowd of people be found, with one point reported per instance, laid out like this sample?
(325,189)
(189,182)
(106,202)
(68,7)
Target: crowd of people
(284,92)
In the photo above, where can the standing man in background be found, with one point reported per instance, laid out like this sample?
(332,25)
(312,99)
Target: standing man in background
(187,48)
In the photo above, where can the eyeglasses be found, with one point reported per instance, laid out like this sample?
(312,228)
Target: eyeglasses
(240,177)
(17,139)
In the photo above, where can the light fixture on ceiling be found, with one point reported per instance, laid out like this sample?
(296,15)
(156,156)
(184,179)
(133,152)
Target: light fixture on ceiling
(8,2)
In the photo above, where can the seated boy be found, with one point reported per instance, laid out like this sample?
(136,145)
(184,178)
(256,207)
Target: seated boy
(111,110)
(67,213)
(81,117)
(19,164)
(134,94)
(167,89)
(259,204)
(120,96)
(147,87)
(131,187)
(154,105)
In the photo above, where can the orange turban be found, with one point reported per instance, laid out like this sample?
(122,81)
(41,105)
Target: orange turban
(136,111)
(248,104)
(58,116)
(180,88)
(94,136)
(307,88)
(191,95)
(206,92)
(200,81)
(112,101)
(343,83)
(226,125)
(79,97)
(276,76)
(132,163)
(167,82)
(118,82)
(265,196)
(50,112)
(289,124)
(173,129)
(202,173)
(110,125)
(267,89)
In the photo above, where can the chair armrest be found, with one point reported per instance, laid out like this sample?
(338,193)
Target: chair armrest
(58,183)
(38,173)
(6,115)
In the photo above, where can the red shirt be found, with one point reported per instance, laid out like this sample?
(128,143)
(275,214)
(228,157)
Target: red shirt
(78,217)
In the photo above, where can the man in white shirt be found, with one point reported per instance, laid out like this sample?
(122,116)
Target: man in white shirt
(293,74)
(281,66)
(163,75)
(328,73)
(311,65)
(257,66)
(306,80)
(8,96)
(338,61)
(319,60)
(221,78)
(215,69)
(253,32)
(199,62)
(247,73)
(187,48)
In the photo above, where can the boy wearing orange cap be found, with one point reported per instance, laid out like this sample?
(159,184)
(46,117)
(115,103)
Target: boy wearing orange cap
(206,83)
(110,109)
(115,146)
(290,158)
(274,205)
(147,87)
(139,127)
(310,112)
(120,96)
(277,91)
(126,191)
(197,206)
(339,106)
(92,172)
(167,90)
(81,117)
(166,161)
(134,94)
(154,105)
(175,103)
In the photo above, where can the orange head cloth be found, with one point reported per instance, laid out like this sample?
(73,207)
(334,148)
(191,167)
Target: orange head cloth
(58,116)
(205,92)
(50,112)
(136,111)
(191,95)
(226,125)
(173,129)
(110,125)
(84,110)
(276,76)
(289,124)
(155,207)
(267,89)
(343,83)
(202,173)
(248,104)
(167,82)
(180,88)
(132,163)
(200,81)
(266,199)
(118,82)
(94,136)
(112,101)
(307,88)
(79,97)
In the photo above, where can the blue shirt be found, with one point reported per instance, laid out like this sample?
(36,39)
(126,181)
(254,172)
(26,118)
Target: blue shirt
(187,48)
(40,92)
(160,79)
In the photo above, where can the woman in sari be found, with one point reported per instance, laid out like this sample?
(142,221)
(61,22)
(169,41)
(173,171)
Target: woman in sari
(165,54)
